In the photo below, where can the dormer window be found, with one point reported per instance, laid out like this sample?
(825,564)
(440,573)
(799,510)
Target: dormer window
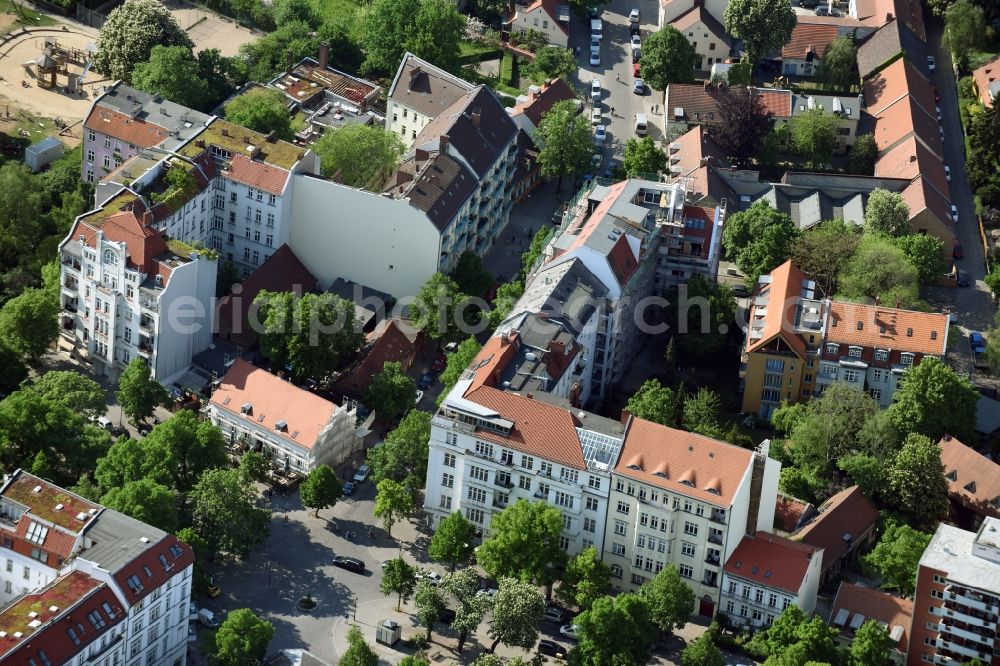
(881,354)
(906,358)
(832,348)
(971,486)
(281,426)
(854,352)
(247,408)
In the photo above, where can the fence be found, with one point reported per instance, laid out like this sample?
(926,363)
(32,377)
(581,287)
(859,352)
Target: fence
(95,17)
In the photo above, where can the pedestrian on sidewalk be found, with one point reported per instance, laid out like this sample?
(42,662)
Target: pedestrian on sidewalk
(612,111)
(618,77)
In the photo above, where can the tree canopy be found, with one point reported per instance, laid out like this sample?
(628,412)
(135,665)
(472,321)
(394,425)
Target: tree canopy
(896,556)
(872,645)
(391,391)
(585,580)
(643,156)
(616,630)
(669,599)
(814,136)
(763,25)
(880,270)
(138,393)
(242,638)
(357,155)
(822,251)
(794,638)
(926,255)
(667,57)
(225,512)
(262,110)
(403,454)
(524,543)
(837,69)
(453,541)
(129,35)
(471,606)
(320,489)
(471,275)
(517,610)
(917,485)
(29,322)
(710,314)
(887,213)
(552,62)
(933,400)
(759,239)
(430,29)
(457,362)
(147,501)
(437,307)
(566,143)
(744,121)
(702,652)
(358,652)
(399,578)
(654,402)
(964,29)
(393,502)
(173,72)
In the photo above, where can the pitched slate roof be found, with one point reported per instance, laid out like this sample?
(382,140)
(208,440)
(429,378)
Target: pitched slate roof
(698,14)
(425,88)
(973,479)
(699,102)
(433,182)
(771,561)
(808,38)
(886,43)
(842,520)
(553,91)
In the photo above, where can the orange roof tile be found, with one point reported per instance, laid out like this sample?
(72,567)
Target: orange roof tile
(909,159)
(903,118)
(808,37)
(540,429)
(920,195)
(588,226)
(789,512)
(984,76)
(672,459)
(273,399)
(849,514)
(257,174)
(896,81)
(782,297)
(875,605)
(973,479)
(492,359)
(887,328)
(621,259)
(771,561)
(553,92)
(126,128)
(388,343)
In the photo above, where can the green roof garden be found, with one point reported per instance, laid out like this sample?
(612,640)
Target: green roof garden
(229,137)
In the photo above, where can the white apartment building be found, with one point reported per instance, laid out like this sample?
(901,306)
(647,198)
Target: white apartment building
(687,500)
(418,93)
(765,575)
(127,291)
(490,447)
(287,424)
(84,585)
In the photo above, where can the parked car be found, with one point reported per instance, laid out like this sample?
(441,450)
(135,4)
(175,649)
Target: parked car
(947,172)
(634,29)
(349,563)
(551,649)
(954,213)
(418,397)
(633,16)
(639,87)
(213,588)
(635,69)
(595,58)
(431,577)
(595,44)
(425,381)
(957,252)
(740,290)
(636,42)
(931,63)
(192,632)
(207,618)
(600,135)
(937,110)
(439,364)
(447,616)
(348,488)
(963,278)
(596,116)
(570,631)
(554,614)
(609,171)
(594,12)
(977,342)
(451,348)
(595,89)
(361,474)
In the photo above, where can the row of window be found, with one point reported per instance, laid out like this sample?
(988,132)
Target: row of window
(853,351)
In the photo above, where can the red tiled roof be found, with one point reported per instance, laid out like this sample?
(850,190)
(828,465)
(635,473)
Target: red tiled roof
(973,479)
(873,605)
(491,360)
(683,462)
(126,128)
(879,12)
(782,298)
(549,7)
(43,618)
(144,243)
(849,513)
(281,272)
(387,343)
(700,101)
(540,429)
(692,153)
(153,567)
(910,159)
(808,37)
(896,81)
(698,14)
(771,561)
(984,76)
(920,195)
(887,328)
(553,92)
(905,117)
(621,259)
(706,215)
(789,513)
(257,174)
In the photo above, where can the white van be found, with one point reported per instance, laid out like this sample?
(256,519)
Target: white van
(640,124)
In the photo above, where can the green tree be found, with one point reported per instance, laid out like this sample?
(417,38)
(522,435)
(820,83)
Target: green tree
(814,136)
(172,71)
(222,75)
(794,640)
(917,485)
(703,652)
(524,543)
(129,35)
(822,251)
(764,26)
(887,213)
(864,152)
(865,470)
(398,578)
(896,556)
(227,275)
(254,466)
(12,369)
(145,500)
(507,296)
(72,390)
(267,56)
(320,489)
(616,630)
(926,254)
(992,281)
(552,62)
(758,239)
(391,391)
(535,250)
(29,322)
(138,393)
(393,502)
(453,541)
(463,587)
(643,156)
(654,402)
(242,638)
(314,333)
(457,363)
(225,512)
(471,276)
(358,652)
(356,155)
(566,143)
(430,29)
(262,110)
(872,645)
(128,460)
(964,30)
(192,446)
(403,455)
(744,121)
(709,309)
(701,413)
(430,605)
(933,400)
(517,610)
(667,57)
(436,307)
(830,427)
(879,270)
(670,600)
(287,11)
(585,580)
(837,70)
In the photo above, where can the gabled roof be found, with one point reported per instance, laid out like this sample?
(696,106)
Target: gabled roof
(771,561)
(887,328)
(124,127)
(699,102)
(790,513)
(911,158)
(898,80)
(272,400)
(389,342)
(973,479)
(987,78)
(425,88)
(257,174)
(878,12)
(550,9)
(537,105)
(782,293)
(842,520)
(152,567)
(683,462)
(903,118)
(886,43)
(435,183)
(809,38)
(853,601)
(921,195)
(698,14)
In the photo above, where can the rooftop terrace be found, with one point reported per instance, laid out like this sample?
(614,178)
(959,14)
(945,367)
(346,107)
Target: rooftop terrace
(238,141)
(48,502)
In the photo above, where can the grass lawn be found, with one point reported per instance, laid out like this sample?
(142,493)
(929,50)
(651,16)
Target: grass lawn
(338,10)
(467,48)
(33,18)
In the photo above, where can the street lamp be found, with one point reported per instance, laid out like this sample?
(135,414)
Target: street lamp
(355,608)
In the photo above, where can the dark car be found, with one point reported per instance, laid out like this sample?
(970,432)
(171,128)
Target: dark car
(976,342)
(633,29)
(958,252)
(348,488)
(963,278)
(438,364)
(425,381)
(551,649)
(349,563)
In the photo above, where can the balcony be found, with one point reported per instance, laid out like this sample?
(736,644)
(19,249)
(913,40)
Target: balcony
(968,617)
(145,350)
(146,324)
(964,633)
(715,538)
(718,517)
(710,581)
(500,505)
(540,495)
(970,600)
(963,650)
(503,483)
(71,265)
(149,304)
(713,560)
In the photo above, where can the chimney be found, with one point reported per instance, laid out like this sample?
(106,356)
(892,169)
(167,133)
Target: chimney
(225,131)
(443,142)
(414,74)
(756,483)
(324,54)
(913,158)
(246,139)
(897,302)
(420,155)
(476,116)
